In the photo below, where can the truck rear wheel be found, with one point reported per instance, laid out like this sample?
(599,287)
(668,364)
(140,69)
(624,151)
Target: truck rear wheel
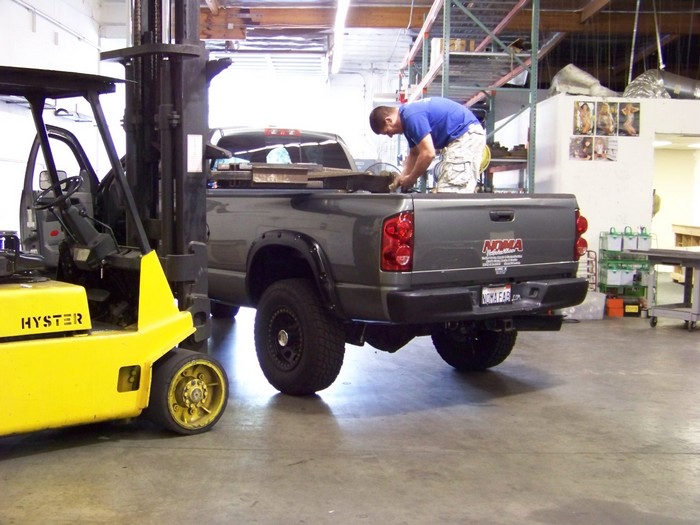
(300,345)
(476,350)
(189,392)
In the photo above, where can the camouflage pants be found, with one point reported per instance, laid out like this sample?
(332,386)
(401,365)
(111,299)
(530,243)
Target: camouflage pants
(461,162)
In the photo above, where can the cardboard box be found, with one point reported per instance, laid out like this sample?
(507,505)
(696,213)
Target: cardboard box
(456,45)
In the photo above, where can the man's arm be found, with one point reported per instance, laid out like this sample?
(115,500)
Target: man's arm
(417,162)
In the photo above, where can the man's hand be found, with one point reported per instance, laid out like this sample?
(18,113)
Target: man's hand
(402,181)
(394,183)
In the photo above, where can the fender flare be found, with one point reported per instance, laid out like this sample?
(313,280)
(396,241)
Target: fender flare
(311,252)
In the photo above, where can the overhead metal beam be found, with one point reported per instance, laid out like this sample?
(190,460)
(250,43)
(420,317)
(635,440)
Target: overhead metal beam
(606,23)
(593,7)
(228,23)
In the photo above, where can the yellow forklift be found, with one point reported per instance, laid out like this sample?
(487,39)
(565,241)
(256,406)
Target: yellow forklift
(90,327)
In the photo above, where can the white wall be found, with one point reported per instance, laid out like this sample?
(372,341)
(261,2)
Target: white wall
(676,180)
(506,105)
(49,34)
(615,193)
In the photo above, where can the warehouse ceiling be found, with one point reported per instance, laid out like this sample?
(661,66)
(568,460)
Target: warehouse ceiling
(601,37)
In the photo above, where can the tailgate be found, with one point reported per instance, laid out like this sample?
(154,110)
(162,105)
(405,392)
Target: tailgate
(486,238)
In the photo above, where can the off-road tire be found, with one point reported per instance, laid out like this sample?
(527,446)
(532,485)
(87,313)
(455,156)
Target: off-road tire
(476,351)
(300,345)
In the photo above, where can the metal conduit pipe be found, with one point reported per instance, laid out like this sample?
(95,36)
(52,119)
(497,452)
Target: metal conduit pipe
(680,87)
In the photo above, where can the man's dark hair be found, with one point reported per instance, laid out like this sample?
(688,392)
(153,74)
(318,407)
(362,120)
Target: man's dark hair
(377,116)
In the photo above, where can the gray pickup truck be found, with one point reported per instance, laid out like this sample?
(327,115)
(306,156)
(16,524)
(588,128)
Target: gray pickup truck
(327,263)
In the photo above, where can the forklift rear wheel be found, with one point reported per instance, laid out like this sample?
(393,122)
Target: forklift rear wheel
(189,392)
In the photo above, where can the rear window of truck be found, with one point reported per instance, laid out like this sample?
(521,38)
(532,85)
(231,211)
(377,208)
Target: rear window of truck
(300,147)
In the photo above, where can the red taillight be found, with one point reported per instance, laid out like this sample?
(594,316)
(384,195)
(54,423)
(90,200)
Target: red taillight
(397,243)
(580,245)
(581,224)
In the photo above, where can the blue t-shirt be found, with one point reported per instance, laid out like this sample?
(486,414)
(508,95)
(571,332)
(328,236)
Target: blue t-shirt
(443,118)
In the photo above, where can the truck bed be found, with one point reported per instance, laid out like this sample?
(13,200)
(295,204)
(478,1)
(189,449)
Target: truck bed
(463,243)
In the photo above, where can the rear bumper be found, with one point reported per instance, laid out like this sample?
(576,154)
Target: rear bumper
(463,303)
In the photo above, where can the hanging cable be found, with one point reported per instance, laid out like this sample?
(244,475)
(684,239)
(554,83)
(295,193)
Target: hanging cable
(690,32)
(658,38)
(634,37)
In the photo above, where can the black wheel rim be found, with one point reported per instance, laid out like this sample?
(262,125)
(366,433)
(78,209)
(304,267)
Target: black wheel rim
(285,340)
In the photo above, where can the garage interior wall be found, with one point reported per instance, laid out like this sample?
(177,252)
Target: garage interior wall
(618,193)
(677,182)
(46,33)
(49,34)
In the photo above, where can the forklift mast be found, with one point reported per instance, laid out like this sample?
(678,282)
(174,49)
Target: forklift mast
(167,74)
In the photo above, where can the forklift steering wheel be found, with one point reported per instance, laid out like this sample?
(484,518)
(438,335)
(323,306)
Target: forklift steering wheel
(68,187)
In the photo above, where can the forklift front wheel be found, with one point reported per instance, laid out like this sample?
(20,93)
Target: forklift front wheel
(189,392)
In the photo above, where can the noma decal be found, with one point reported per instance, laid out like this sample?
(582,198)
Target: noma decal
(502,246)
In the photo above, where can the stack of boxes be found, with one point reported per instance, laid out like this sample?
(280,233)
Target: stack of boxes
(622,275)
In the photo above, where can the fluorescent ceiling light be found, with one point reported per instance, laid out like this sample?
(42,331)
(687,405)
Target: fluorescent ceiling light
(660,143)
(341,14)
(694,146)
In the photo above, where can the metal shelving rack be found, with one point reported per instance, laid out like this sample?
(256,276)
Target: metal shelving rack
(493,58)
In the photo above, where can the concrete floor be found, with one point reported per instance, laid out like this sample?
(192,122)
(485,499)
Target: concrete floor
(596,424)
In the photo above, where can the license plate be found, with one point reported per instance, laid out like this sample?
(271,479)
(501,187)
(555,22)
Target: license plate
(495,295)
